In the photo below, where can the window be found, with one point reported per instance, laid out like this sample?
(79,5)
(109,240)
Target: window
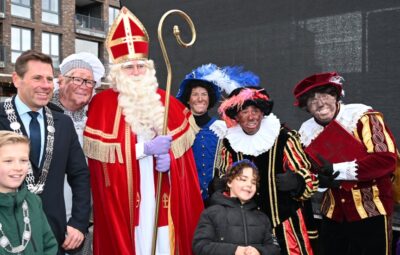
(21,40)
(50,12)
(112,14)
(87,46)
(21,8)
(51,47)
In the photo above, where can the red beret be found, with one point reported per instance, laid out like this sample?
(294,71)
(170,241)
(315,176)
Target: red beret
(315,81)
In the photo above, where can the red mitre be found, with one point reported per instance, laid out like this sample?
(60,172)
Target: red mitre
(127,38)
(318,80)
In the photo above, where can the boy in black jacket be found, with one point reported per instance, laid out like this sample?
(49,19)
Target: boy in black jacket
(233,224)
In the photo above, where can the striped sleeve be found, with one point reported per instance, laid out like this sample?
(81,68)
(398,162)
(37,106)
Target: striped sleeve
(378,140)
(296,160)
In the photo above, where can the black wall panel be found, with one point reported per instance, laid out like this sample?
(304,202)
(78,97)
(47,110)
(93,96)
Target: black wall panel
(284,41)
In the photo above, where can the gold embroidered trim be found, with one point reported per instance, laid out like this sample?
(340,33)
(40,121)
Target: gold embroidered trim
(185,141)
(129,176)
(358,203)
(114,133)
(104,152)
(272,185)
(377,201)
(171,229)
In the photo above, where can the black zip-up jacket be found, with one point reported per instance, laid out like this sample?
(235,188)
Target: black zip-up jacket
(228,224)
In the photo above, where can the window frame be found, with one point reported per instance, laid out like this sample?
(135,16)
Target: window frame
(21,39)
(54,57)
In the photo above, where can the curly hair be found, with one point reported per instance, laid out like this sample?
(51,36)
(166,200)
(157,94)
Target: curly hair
(236,169)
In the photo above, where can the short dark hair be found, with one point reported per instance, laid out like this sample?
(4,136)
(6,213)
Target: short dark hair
(191,84)
(324,89)
(26,56)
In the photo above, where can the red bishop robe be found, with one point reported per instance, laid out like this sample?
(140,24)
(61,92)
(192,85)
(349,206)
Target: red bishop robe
(109,144)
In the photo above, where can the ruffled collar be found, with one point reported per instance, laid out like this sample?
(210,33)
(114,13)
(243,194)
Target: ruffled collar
(258,143)
(348,117)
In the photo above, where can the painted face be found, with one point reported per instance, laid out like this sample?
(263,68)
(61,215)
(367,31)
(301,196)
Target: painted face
(198,101)
(36,87)
(134,68)
(250,119)
(244,185)
(14,159)
(77,87)
(322,107)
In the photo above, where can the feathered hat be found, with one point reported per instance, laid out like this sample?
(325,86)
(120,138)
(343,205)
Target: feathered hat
(241,98)
(215,80)
(127,38)
(317,81)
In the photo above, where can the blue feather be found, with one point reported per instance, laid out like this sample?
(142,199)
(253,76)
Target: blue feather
(244,79)
(201,71)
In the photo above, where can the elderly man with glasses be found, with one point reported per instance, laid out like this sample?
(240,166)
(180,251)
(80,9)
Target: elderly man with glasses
(80,75)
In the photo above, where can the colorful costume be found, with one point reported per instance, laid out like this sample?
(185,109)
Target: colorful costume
(277,153)
(204,148)
(213,79)
(356,208)
(273,147)
(124,174)
(115,177)
(372,194)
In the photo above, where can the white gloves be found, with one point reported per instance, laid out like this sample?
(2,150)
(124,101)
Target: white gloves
(347,170)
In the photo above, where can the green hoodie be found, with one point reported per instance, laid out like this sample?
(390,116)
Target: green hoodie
(42,240)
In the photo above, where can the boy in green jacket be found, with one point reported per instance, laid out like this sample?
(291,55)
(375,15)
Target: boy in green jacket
(23,225)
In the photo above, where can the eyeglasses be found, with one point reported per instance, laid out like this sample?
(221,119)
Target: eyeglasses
(79,81)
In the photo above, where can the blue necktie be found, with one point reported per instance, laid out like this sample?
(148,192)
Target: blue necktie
(34,130)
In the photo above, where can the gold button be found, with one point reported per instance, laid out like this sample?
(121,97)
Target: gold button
(343,200)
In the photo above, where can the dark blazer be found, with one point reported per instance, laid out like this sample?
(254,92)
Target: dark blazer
(68,158)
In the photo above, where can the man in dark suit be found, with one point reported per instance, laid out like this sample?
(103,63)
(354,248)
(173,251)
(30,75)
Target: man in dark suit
(55,149)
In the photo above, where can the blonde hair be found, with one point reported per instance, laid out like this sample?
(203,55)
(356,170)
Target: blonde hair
(9,137)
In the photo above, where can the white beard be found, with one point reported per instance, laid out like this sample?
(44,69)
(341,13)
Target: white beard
(140,103)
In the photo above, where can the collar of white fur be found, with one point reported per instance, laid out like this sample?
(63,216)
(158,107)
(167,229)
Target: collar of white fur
(348,117)
(258,143)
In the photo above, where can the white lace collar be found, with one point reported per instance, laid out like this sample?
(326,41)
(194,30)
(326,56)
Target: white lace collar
(219,128)
(258,143)
(348,117)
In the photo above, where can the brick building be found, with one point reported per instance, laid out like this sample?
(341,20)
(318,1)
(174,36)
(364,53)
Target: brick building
(55,27)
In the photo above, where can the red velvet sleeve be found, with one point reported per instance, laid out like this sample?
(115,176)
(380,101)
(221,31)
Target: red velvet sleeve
(380,145)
